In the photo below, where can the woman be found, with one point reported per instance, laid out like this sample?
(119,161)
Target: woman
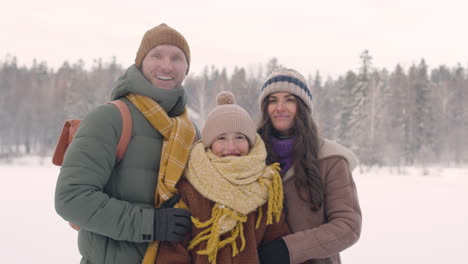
(322,208)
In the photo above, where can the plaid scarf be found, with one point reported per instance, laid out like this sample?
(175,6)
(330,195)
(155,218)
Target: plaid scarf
(179,134)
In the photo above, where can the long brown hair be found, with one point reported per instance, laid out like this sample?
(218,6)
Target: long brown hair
(305,152)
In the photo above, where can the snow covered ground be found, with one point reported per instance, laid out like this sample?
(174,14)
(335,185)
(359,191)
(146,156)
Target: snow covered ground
(416,217)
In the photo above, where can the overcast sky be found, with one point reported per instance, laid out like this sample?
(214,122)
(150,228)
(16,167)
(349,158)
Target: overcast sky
(308,35)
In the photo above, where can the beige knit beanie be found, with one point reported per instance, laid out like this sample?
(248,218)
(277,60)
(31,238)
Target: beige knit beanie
(287,80)
(162,34)
(227,117)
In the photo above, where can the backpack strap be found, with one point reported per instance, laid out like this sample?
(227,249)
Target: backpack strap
(68,131)
(126,128)
(71,126)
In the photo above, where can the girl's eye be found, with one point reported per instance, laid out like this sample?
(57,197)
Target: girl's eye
(177,58)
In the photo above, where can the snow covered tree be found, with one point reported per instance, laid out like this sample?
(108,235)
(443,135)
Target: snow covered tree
(346,102)
(443,95)
(459,115)
(324,109)
(423,114)
(397,130)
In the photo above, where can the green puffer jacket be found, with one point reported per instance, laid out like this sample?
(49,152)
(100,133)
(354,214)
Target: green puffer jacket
(113,203)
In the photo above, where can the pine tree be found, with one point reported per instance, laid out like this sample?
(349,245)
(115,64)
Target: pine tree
(458,120)
(397,136)
(347,105)
(440,80)
(322,103)
(361,100)
(423,114)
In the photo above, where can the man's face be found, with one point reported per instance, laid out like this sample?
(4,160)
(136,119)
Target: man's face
(165,66)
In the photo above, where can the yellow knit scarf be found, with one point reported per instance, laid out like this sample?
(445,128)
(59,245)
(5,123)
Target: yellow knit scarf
(238,186)
(178,133)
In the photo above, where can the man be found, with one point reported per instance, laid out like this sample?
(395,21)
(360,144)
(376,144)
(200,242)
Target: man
(114,203)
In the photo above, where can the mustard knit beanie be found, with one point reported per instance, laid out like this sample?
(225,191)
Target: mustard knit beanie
(287,80)
(227,117)
(162,34)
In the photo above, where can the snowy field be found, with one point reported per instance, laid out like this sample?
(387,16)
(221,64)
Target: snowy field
(416,217)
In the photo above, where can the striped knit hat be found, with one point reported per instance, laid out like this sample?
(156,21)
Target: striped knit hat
(162,34)
(227,117)
(287,80)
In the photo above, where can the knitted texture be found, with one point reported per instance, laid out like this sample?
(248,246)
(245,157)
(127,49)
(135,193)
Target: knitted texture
(227,117)
(238,186)
(283,149)
(287,80)
(162,34)
(202,208)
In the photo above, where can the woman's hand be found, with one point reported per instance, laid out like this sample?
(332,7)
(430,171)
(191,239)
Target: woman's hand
(274,252)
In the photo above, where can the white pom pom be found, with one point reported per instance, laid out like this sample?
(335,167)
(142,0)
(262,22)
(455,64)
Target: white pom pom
(225,98)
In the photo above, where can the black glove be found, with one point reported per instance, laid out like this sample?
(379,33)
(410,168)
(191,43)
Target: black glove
(275,252)
(171,224)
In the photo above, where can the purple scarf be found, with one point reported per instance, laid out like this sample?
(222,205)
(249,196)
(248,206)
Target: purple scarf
(283,149)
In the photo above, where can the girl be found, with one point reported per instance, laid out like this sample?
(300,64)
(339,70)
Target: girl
(235,199)
(322,206)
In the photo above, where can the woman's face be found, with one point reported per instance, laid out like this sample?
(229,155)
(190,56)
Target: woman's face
(230,144)
(282,110)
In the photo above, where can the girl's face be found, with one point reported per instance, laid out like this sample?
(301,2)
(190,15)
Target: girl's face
(282,110)
(230,144)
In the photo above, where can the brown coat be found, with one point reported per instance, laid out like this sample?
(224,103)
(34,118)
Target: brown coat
(318,237)
(200,207)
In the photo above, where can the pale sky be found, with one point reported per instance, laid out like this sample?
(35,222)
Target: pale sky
(309,35)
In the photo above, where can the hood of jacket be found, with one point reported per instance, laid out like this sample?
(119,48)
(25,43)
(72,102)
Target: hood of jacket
(330,148)
(133,81)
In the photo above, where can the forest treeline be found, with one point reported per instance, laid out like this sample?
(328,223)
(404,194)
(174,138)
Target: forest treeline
(396,117)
